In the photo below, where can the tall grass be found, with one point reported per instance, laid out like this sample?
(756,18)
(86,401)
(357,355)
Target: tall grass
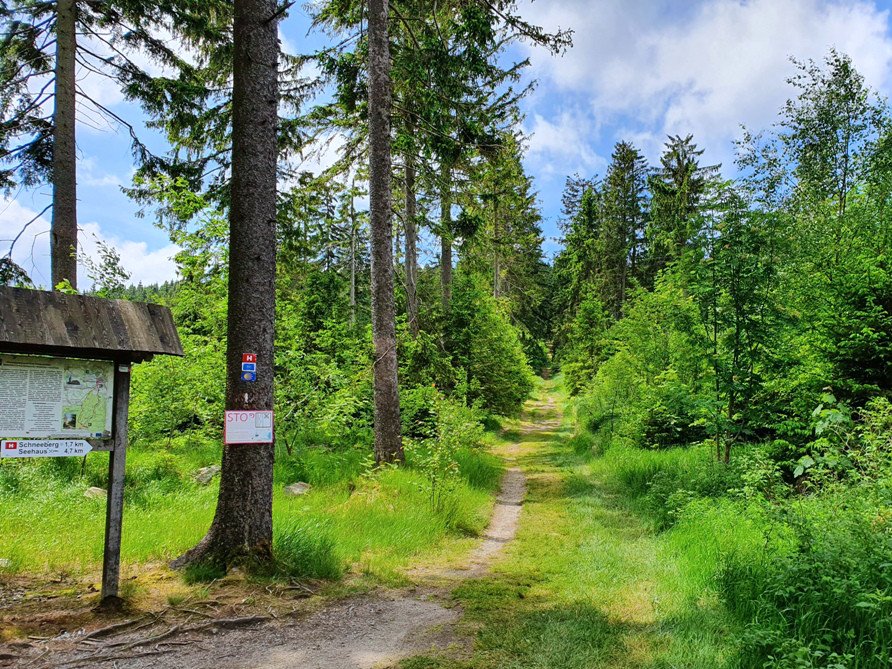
(824,597)
(374,521)
(306,549)
(809,578)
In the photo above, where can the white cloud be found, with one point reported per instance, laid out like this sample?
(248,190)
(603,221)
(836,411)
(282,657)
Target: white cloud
(704,67)
(89,174)
(143,265)
(564,144)
(32,249)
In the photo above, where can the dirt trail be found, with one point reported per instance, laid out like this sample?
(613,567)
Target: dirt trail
(367,632)
(502,525)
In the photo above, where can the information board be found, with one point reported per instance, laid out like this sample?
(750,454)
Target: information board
(248,427)
(55,398)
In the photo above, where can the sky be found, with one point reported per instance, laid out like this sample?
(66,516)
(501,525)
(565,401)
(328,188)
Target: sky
(639,70)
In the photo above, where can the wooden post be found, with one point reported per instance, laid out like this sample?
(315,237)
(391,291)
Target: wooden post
(111,562)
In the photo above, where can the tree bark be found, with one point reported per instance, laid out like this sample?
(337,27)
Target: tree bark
(446,238)
(496,256)
(411,246)
(63,232)
(352,260)
(388,440)
(242,525)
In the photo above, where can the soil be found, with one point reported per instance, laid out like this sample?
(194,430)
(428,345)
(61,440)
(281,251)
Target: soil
(370,631)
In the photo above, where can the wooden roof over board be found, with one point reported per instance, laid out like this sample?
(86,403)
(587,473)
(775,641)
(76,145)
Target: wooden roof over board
(77,326)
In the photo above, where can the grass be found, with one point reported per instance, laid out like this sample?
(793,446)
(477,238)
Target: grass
(353,518)
(629,558)
(589,581)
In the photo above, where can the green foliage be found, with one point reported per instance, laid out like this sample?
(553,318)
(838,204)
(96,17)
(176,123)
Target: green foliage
(479,469)
(671,416)
(826,599)
(316,458)
(170,396)
(584,343)
(441,437)
(860,334)
(203,572)
(107,274)
(649,388)
(488,347)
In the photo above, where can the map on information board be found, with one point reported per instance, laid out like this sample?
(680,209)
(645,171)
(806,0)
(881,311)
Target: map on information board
(55,397)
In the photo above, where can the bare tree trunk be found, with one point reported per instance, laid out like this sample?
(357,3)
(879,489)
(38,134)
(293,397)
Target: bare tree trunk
(63,235)
(352,261)
(496,260)
(388,440)
(446,238)
(242,526)
(411,246)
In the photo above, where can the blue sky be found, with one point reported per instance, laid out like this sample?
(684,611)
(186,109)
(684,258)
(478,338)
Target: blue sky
(639,70)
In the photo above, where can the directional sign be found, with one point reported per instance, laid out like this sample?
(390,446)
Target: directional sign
(43,448)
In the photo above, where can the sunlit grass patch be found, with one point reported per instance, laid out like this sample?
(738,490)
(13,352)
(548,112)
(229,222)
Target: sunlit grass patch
(369,521)
(588,582)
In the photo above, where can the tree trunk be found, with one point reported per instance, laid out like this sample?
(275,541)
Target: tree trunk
(63,235)
(411,246)
(242,526)
(446,239)
(496,258)
(388,440)
(352,261)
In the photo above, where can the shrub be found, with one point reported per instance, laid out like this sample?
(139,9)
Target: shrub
(318,460)
(170,397)
(418,411)
(584,443)
(825,600)
(671,418)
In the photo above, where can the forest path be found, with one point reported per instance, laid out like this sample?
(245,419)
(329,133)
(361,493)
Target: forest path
(371,631)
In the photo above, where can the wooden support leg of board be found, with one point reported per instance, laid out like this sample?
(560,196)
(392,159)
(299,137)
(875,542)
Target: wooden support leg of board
(111,563)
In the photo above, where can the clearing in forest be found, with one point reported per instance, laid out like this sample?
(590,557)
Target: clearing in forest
(565,576)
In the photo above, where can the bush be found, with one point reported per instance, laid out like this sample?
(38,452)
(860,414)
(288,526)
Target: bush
(584,443)
(418,411)
(170,396)
(825,600)
(448,431)
(665,482)
(320,465)
(671,417)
